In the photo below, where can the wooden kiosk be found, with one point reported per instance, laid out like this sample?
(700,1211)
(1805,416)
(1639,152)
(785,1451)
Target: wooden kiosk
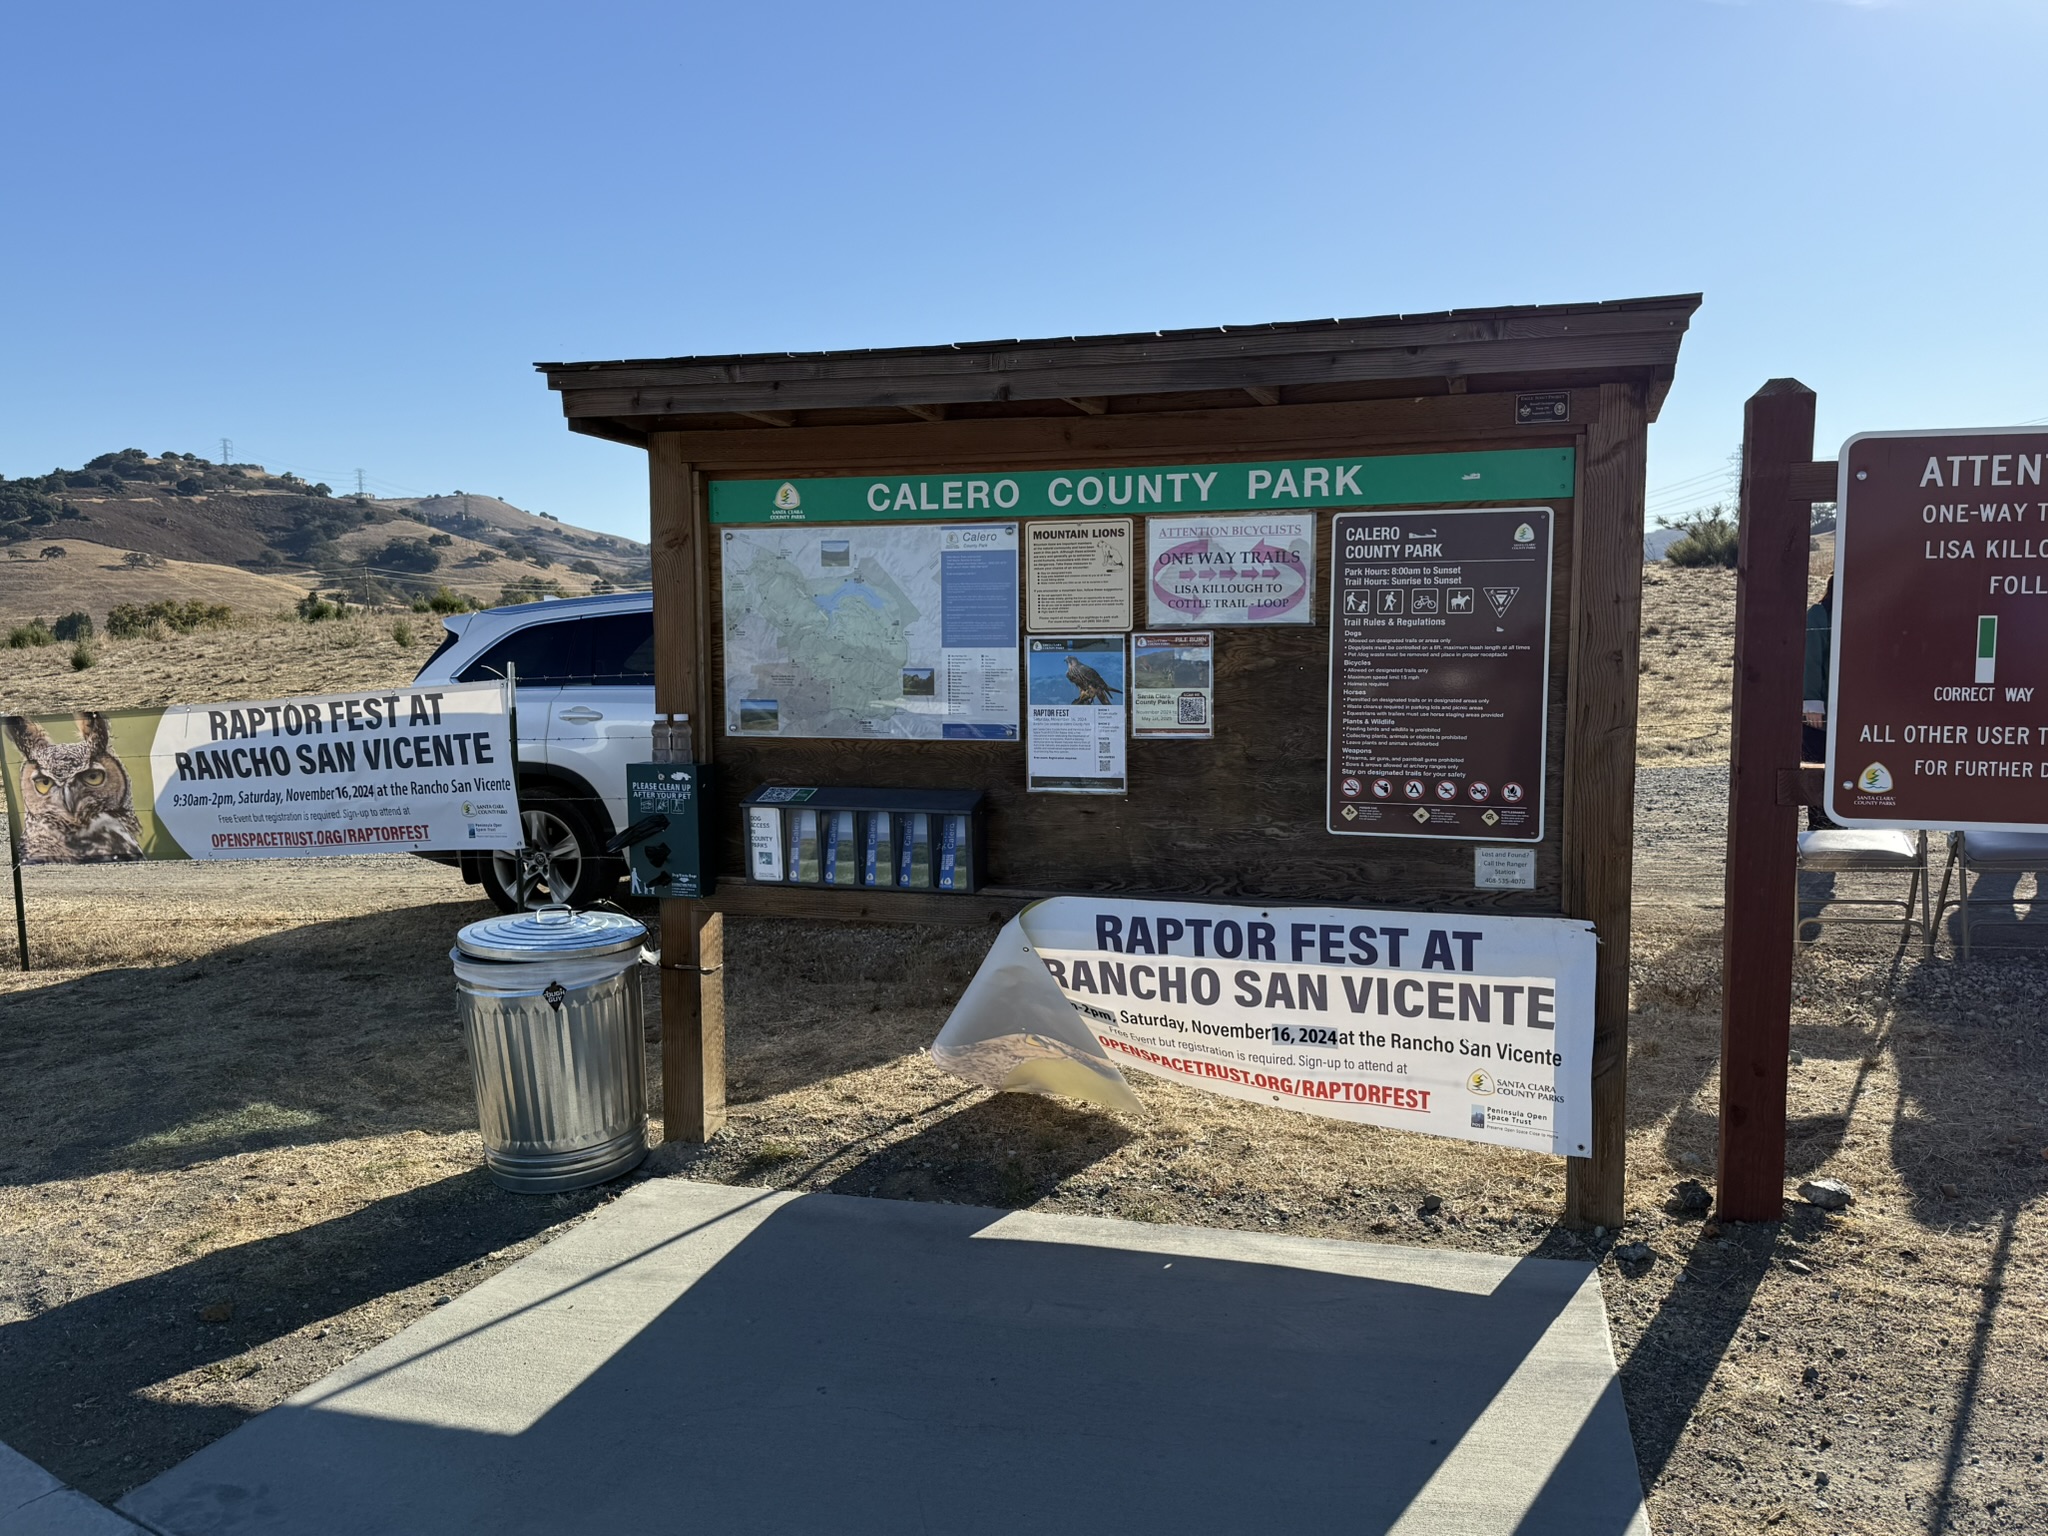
(1243,815)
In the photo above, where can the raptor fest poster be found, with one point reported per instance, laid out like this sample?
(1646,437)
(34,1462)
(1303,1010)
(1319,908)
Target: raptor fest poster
(1077,700)
(394,772)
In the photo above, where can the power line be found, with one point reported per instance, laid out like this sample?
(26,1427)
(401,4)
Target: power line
(1675,485)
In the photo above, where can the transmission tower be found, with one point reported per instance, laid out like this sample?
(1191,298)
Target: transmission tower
(227,451)
(359,484)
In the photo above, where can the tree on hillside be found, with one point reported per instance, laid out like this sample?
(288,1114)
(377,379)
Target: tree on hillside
(53,552)
(312,530)
(25,504)
(407,555)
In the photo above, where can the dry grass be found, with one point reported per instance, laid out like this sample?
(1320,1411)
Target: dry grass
(91,577)
(1688,661)
(261,657)
(239,1086)
(1688,657)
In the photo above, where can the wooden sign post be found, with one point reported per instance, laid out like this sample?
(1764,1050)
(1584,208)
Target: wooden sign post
(1543,407)
(1764,796)
(1943,564)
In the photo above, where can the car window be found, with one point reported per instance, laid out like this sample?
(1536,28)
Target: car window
(622,648)
(557,654)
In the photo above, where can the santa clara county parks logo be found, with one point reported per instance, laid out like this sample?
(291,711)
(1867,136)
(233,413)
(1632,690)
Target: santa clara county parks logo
(1525,534)
(786,498)
(1479,1083)
(1875,780)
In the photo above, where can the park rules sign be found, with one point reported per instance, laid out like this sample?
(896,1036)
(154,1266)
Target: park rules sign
(1938,700)
(1466,1025)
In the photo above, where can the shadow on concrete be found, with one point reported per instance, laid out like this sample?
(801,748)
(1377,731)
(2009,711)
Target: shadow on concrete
(74,1379)
(880,1366)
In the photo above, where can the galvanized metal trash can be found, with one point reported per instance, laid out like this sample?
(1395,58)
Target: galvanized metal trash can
(552,1013)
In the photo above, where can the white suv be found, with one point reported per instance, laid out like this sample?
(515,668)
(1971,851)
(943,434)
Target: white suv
(584,671)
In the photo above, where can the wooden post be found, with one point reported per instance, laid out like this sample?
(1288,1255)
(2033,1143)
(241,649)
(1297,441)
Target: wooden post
(1600,770)
(692,1021)
(692,936)
(1762,888)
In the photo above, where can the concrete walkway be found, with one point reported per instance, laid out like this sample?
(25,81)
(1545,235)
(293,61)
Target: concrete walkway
(702,1358)
(34,1502)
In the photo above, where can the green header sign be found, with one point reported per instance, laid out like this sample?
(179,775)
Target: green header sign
(1392,480)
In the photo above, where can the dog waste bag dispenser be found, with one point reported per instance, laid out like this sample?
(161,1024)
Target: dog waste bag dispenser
(552,1014)
(664,836)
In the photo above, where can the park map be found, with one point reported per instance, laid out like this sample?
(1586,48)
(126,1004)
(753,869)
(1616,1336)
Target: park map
(871,632)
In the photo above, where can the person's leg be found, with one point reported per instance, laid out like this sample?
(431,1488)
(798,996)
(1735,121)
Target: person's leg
(1990,896)
(1813,748)
(1816,891)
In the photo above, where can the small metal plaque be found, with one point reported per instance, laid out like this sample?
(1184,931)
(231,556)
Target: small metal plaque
(1543,410)
(554,993)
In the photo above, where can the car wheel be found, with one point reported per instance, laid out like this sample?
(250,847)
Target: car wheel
(564,861)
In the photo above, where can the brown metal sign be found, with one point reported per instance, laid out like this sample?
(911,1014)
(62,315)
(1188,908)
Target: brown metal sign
(1439,673)
(1938,697)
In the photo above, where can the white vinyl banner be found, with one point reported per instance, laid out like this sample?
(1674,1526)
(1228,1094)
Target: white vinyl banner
(1475,1027)
(389,772)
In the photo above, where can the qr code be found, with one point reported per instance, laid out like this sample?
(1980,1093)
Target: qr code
(1191,709)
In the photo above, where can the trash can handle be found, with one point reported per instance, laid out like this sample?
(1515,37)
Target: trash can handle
(554,912)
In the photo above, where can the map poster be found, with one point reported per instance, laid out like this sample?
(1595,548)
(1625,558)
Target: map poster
(1230,570)
(1077,575)
(873,631)
(1173,685)
(1077,695)
(1439,673)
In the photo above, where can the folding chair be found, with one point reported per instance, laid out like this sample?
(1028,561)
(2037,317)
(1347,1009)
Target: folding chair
(1845,851)
(1988,853)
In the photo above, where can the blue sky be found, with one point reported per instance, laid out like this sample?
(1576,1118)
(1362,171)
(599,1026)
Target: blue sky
(340,235)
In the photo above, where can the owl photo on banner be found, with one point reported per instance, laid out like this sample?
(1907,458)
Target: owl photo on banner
(77,804)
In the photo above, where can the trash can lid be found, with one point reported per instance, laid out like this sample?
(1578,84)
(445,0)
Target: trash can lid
(550,933)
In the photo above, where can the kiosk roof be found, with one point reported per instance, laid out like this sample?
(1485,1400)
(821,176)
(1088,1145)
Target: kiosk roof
(1298,362)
